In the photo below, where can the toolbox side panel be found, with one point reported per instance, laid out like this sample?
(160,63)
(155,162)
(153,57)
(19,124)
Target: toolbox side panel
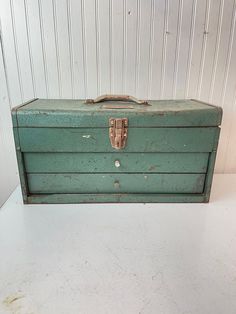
(19,156)
(21,166)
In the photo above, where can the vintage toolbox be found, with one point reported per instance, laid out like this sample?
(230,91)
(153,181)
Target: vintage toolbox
(116,149)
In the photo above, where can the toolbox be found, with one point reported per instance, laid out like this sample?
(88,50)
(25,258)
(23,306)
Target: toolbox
(116,148)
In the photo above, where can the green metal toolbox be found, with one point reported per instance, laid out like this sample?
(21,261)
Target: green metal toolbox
(116,149)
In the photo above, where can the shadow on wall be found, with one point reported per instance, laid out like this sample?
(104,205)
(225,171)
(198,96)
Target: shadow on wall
(8,167)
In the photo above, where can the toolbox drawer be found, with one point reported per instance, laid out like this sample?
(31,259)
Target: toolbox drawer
(115,183)
(116,162)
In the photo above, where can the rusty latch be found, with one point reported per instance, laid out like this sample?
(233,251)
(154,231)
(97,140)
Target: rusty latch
(118,132)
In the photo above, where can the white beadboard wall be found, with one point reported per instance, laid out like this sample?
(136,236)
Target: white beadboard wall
(152,49)
(8,167)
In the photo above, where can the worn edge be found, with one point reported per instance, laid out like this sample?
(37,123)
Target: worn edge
(114,198)
(21,168)
(218,108)
(19,155)
(217,122)
(16,108)
(210,168)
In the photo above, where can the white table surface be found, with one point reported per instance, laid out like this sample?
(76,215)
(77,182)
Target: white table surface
(130,258)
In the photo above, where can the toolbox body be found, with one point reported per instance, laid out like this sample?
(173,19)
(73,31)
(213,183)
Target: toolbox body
(73,151)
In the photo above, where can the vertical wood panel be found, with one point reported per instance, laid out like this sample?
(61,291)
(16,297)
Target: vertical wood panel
(49,44)
(157,46)
(36,48)
(91,46)
(211,49)
(225,31)
(199,17)
(203,48)
(22,48)
(118,28)
(171,41)
(144,45)
(104,45)
(186,12)
(79,79)
(61,23)
(11,55)
(131,41)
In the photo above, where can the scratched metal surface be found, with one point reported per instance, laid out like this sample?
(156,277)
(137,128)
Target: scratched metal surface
(76,113)
(129,259)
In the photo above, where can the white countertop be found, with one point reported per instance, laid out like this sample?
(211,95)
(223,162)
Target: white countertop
(113,258)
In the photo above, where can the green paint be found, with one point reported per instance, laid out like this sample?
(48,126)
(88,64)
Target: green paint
(75,113)
(115,198)
(97,140)
(105,162)
(21,166)
(116,183)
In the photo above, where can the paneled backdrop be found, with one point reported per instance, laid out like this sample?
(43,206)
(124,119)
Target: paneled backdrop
(151,49)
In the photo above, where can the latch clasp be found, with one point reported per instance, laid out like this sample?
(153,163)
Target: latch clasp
(118,132)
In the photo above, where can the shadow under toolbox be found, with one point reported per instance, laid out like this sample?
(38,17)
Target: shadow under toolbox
(116,149)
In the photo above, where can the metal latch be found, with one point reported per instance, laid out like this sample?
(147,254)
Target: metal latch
(118,132)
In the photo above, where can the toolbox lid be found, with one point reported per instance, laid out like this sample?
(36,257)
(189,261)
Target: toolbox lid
(77,113)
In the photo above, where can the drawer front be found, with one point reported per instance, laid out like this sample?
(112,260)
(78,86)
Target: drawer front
(116,162)
(97,140)
(115,183)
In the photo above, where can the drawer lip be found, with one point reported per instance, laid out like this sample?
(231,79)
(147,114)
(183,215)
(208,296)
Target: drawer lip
(115,198)
(106,183)
(106,162)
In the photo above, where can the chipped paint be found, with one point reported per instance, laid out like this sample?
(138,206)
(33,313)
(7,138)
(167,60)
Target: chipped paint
(86,136)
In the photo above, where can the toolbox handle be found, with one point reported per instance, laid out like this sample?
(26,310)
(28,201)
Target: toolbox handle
(118,98)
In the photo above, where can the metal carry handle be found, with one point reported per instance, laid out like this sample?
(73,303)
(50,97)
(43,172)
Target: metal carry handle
(118,98)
